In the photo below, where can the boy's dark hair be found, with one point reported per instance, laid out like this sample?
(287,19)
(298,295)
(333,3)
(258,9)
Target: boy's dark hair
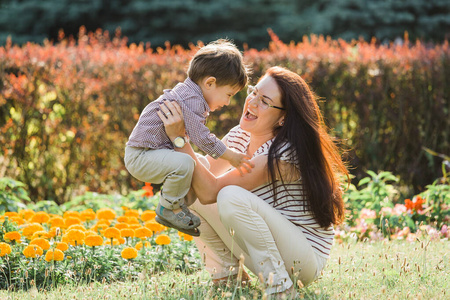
(222,60)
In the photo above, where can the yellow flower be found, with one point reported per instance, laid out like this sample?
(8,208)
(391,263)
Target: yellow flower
(26,213)
(57,222)
(126,232)
(32,228)
(133,220)
(134,226)
(40,234)
(5,249)
(184,236)
(88,215)
(143,232)
(32,251)
(148,215)
(93,240)
(76,226)
(62,246)
(129,253)
(106,213)
(54,255)
(43,243)
(89,233)
(12,236)
(71,214)
(74,236)
(121,226)
(132,213)
(112,233)
(18,220)
(40,217)
(10,214)
(162,239)
(153,226)
(122,219)
(140,244)
(69,221)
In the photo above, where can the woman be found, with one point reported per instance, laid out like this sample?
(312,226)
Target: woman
(279,214)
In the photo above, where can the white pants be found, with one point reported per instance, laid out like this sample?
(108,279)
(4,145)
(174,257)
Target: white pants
(242,223)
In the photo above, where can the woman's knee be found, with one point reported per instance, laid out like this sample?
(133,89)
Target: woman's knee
(229,199)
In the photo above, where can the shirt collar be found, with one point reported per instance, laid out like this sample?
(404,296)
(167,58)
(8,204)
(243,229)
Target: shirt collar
(196,89)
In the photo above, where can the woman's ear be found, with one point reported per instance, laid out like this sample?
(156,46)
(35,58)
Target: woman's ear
(209,82)
(281,121)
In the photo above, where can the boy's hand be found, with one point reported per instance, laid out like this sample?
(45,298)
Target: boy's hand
(242,162)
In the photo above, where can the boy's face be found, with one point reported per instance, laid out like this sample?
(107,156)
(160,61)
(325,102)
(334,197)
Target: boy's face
(218,96)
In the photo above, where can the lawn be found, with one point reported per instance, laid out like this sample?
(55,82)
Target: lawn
(356,270)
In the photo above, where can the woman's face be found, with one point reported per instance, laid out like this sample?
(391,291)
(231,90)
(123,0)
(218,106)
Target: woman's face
(257,120)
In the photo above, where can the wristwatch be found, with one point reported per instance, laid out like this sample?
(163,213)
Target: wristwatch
(180,141)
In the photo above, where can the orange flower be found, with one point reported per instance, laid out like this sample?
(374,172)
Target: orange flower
(415,205)
(62,246)
(148,190)
(10,214)
(57,222)
(133,220)
(12,236)
(71,214)
(32,251)
(153,226)
(129,253)
(127,232)
(112,232)
(140,245)
(88,215)
(185,237)
(74,237)
(18,220)
(5,249)
(54,255)
(162,239)
(134,226)
(43,243)
(76,226)
(93,240)
(115,242)
(132,213)
(40,234)
(71,221)
(122,219)
(26,213)
(148,215)
(106,213)
(121,226)
(142,232)
(40,217)
(53,231)
(32,228)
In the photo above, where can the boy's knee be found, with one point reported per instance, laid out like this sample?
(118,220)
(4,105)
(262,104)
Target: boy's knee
(186,165)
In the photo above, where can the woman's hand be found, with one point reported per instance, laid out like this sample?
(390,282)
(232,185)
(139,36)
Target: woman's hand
(171,115)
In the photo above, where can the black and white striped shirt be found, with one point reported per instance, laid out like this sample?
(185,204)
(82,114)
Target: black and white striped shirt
(290,201)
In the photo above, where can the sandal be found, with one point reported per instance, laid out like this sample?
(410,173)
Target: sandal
(182,221)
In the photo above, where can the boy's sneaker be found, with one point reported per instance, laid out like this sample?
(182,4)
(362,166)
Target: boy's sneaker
(183,221)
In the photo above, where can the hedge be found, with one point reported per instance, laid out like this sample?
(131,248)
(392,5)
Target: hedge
(66,110)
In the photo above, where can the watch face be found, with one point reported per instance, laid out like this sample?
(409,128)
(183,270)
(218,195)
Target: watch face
(179,142)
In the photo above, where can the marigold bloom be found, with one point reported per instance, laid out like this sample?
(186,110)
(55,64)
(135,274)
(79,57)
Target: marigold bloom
(127,232)
(106,213)
(40,234)
(121,240)
(18,220)
(184,236)
(129,253)
(5,249)
(32,228)
(32,251)
(12,236)
(40,217)
(89,233)
(62,246)
(112,232)
(122,219)
(75,235)
(148,215)
(153,226)
(162,239)
(142,232)
(69,221)
(132,213)
(140,244)
(148,190)
(115,242)
(26,213)
(76,226)
(57,222)
(93,240)
(121,226)
(53,232)
(10,214)
(88,215)
(43,243)
(54,255)
(71,214)
(134,226)
(133,220)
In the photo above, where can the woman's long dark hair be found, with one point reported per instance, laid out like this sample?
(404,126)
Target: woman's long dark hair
(318,158)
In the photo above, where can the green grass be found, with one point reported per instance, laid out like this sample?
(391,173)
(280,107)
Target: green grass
(381,270)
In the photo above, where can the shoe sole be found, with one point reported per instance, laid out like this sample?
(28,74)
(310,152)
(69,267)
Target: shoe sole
(193,231)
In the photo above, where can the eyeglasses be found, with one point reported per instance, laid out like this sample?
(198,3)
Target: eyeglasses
(252,91)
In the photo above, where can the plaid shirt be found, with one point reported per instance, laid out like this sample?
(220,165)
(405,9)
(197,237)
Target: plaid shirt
(149,132)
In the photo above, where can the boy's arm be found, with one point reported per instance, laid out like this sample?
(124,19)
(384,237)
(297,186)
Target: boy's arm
(238,160)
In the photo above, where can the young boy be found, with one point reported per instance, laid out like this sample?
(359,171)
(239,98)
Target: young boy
(215,74)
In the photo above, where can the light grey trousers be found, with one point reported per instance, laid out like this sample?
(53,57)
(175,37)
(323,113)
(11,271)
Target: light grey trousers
(242,223)
(173,169)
